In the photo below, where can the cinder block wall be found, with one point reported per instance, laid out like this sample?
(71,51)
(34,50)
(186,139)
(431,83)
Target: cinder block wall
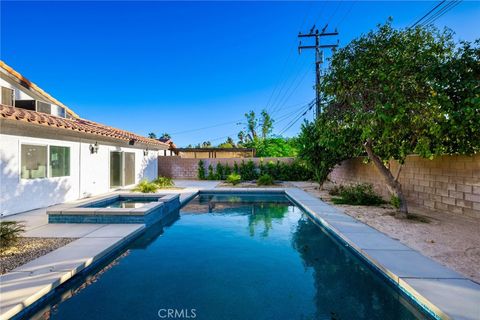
(184,168)
(449,183)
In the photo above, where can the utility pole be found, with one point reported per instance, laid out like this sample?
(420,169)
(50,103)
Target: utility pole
(318,57)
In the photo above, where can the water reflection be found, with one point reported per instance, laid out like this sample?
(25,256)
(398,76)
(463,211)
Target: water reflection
(345,287)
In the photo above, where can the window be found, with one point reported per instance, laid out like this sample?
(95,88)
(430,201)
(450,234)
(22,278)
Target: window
(44,107)
(34,161)
(59,161)
(8,96)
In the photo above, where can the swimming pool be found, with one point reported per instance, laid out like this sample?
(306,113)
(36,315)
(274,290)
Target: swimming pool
(233,256)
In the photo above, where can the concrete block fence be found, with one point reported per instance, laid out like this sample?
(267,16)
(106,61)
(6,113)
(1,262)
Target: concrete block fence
(448,184)
(183,168)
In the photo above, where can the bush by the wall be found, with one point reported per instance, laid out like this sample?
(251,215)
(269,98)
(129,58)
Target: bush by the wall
(201,170)
(234,179)
(145,186)
(359,194)
(164,182)
(295,171)
(265,180)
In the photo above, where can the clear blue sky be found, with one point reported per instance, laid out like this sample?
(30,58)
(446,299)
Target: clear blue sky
(176,66)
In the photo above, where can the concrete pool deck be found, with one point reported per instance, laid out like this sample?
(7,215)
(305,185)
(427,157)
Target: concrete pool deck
(444,292)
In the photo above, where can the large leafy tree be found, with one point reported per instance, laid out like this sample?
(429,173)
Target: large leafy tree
(387,84)
(327,141)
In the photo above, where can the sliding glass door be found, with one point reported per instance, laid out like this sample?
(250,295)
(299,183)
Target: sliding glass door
(122,169)
(129,168)
(116,169)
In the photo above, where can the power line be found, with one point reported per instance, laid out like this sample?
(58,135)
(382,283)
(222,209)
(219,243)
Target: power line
(441,12)
(427,14)
(286,98)
(346,13)
(302,113)
(267,106)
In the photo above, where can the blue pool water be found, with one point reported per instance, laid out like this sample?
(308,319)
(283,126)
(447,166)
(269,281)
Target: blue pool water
(233,257)
(123,202)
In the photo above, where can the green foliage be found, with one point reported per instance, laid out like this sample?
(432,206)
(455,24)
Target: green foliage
(295,171)
(236,169)
(326,142)
(145,186)
(395,201)
(458,90)
(211,174)
(164,182)
(335,191)
(273,147)
(234,179)
(226,171)
(201,170)
(248,170)
(265,180)
(220,172)
(10,231)
(359,194)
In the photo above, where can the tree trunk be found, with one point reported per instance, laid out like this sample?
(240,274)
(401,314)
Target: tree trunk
(393,185)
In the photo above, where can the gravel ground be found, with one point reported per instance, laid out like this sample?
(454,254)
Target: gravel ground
(452,240)
(27,249)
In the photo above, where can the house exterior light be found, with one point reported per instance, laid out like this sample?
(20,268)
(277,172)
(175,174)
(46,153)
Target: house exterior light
(145,152)
(93,148)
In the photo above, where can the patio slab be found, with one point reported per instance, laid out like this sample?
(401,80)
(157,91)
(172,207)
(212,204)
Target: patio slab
(375,241)
(411,264)
(70,230)
(441,291)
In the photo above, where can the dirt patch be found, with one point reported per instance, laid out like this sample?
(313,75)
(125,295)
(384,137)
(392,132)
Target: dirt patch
(452,240)
(28,249)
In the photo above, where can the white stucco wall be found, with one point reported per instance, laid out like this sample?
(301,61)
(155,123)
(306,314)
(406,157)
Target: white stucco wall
(89,173)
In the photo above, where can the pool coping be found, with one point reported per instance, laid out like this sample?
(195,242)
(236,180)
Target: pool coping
(425,282)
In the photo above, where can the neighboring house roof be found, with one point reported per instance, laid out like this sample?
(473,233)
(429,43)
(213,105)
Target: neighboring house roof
(77,124)
(32,86)
(168,141)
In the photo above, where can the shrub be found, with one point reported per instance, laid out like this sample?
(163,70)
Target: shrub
(227,171)
(201,170)
(220,172)
(265,180)
(234,178)
(360,194)
(395,201)
(335,191)
(235,168)
(211,174)
(248,170)
(10,231)
(164,182)
(146,187)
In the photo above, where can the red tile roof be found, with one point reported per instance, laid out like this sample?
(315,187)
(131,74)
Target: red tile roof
(77,124)
(32,86)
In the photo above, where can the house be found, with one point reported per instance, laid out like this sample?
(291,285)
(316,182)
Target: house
(49,154)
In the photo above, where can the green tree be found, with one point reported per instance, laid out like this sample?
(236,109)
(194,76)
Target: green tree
(165,136)
(252,124)
(386,84)
(152,135)
(458,88)
(266,124)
